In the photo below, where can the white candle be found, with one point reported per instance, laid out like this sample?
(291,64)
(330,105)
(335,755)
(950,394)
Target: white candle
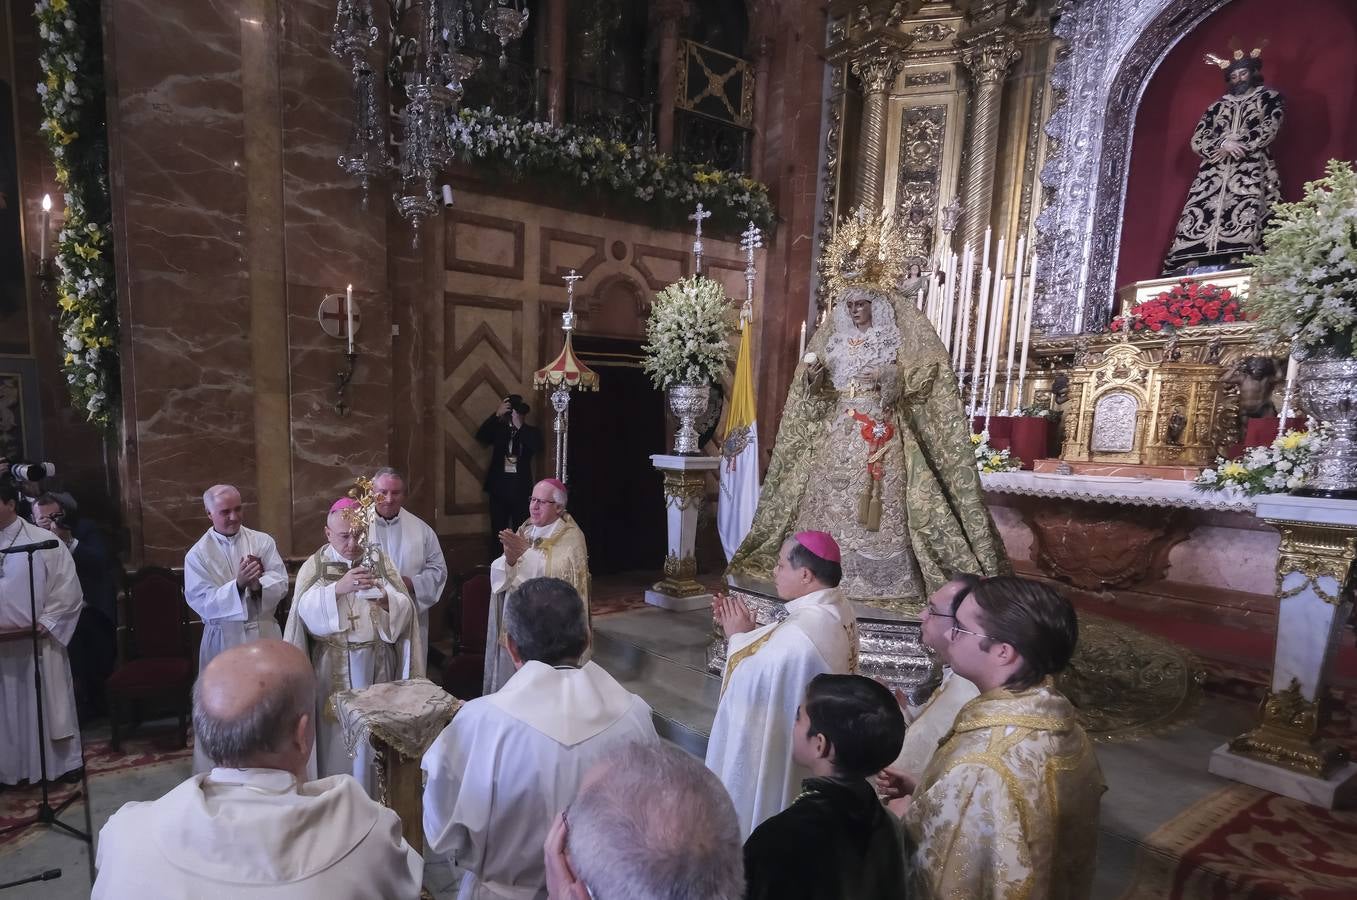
(947,310)
(921,298)
(965,290)
(996,333)
(981,332)
(802,350)
(1291,366)
(348,314)
(1015,308)
(46,221)
(1027,324)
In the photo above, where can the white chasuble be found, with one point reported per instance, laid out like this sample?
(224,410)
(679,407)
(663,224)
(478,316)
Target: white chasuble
(257,833)
(767,671)
(414,549)
(58,602)
(1008,806)
(497,776)
(558,551)
(929,722)
(353,643)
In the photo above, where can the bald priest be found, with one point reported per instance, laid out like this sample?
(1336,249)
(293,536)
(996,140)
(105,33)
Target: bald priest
(549,545)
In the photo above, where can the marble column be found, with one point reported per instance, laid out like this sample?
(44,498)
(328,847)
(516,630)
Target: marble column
(685,488)
(876,68)
(987,60)
(1284,753)
(666,15)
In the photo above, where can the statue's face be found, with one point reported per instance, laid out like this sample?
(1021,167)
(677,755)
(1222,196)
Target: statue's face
(1239,80)
(860,311)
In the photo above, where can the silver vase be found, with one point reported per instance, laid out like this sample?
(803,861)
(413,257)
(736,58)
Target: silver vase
(1327,385)
(688,401)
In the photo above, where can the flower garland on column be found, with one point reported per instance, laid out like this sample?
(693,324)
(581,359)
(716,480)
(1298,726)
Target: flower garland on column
(72,96)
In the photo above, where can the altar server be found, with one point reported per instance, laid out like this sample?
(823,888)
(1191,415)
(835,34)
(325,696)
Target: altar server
(58,601)
(510,762)
(548,544)
(233,580)
(411,545)
(254,826)
(767,671)
(359,628)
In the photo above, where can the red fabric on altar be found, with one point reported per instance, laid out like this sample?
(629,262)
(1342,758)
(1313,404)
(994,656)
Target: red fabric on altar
(1000,430)
(1262,432)
(1311,57)
(1029,439)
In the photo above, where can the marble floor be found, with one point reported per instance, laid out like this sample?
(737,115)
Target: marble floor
(662,656)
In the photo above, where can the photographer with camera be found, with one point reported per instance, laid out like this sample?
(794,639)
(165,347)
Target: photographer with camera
(509,479)
(93,648)
(26,477)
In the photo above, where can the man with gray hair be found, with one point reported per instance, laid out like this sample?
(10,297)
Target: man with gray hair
(410,544)
(233,579)
(254,826)
(649,822)
(510,761)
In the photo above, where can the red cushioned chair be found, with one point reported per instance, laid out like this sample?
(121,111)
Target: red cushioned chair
(155,659)
(469,617)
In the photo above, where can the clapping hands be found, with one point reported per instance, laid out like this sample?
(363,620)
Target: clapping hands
(514,544)
(251,569)
(732,615)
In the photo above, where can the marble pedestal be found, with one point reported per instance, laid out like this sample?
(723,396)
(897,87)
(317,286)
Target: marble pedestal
(1285,754)
(685,488)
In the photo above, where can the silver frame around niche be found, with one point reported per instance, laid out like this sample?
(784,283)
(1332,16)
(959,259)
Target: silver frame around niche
(1110,50)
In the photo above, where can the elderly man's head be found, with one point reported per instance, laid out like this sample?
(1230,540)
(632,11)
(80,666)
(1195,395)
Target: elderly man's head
(545,621)
(547,502)
(222,502)
(254,705)
(652,821)
(344,536)
(388,489)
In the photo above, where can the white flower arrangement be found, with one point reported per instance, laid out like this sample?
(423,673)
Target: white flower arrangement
(1305,280)
(988,460)
(71,95)
(1282,466)
(687,334)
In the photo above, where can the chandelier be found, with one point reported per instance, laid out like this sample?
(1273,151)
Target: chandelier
(441,59)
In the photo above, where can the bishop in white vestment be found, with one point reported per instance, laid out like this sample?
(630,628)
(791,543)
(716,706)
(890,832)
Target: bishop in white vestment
(233,580)
(353,642)
(58,603)
(411,545)
(509,762)
(766,674)
(549,544)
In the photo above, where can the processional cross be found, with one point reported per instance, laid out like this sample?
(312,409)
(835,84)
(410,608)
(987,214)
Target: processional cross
(697,243)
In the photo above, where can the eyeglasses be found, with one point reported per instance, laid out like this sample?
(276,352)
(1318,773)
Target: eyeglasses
(957,629)
(535,501)
(928,608)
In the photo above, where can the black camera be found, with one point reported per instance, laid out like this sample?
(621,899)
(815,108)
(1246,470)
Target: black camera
(30,471)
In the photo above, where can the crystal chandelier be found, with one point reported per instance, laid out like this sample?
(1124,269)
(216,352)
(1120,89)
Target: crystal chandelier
(433,87)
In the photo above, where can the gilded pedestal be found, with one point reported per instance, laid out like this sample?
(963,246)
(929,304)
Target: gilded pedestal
(1284,753)
(685,488)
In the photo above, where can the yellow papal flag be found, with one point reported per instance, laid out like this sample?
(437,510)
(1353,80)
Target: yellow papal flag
(739,451)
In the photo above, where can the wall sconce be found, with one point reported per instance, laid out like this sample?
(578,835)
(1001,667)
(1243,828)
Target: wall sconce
(339,319)
(45,272)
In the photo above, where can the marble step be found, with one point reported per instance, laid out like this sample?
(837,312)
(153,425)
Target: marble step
(662,656)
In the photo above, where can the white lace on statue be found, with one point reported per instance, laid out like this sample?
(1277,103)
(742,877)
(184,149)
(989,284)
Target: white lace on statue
(850,352)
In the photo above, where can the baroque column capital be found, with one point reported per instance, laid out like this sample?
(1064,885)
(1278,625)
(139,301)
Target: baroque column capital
(988,60)
(876,69)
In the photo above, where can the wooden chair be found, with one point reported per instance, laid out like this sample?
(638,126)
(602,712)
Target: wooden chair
(469,617)
(155,655)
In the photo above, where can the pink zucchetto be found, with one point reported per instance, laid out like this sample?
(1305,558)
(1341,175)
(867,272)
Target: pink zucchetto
(554,482)
(821,543)
(343,503)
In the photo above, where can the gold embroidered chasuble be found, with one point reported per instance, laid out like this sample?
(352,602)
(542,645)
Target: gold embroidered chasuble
(1008,807)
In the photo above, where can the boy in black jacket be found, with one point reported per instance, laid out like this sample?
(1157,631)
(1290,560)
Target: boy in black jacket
(836,840)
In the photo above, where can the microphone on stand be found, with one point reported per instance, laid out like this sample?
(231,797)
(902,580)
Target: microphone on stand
(27,548)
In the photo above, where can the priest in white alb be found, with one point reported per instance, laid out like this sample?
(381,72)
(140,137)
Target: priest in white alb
(359,628)
(233,580)
(549,544)
(767,671)
(255,826)
(509,762)
(411,545)
(58,599)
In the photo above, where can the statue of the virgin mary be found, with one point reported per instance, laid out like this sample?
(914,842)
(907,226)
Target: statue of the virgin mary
(874,446)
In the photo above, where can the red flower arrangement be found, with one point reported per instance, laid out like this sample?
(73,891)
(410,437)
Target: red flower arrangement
(1188,304)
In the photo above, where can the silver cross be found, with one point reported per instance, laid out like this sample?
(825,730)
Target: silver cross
(568,317)
(697,243)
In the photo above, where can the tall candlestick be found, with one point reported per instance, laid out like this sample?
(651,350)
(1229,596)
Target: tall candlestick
(947,310)
(802,351)
(981,333)
(1027,323)
(1015,309)
(965,289)
(348,314)
(996,334)
(1291,367)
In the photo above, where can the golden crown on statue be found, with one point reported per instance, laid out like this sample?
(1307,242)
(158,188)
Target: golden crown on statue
(867,250)
(1225,62)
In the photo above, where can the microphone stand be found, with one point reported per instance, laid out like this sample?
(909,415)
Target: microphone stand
(46,813)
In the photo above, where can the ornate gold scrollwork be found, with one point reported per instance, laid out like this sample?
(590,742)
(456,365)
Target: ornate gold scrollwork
(1288,735)
(680,577)
(1315,551)
(684,489)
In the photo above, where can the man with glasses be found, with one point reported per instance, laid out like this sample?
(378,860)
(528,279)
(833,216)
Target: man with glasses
(1008,807)
(549,544)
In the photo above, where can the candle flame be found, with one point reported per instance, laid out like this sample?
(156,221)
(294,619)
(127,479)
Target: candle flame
(46,202)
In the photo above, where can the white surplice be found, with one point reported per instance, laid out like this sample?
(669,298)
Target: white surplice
(257,833)
(58,601)
(412,545)
(509,762)
(231,616)
(353,643)
(931,721)
(767,671)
